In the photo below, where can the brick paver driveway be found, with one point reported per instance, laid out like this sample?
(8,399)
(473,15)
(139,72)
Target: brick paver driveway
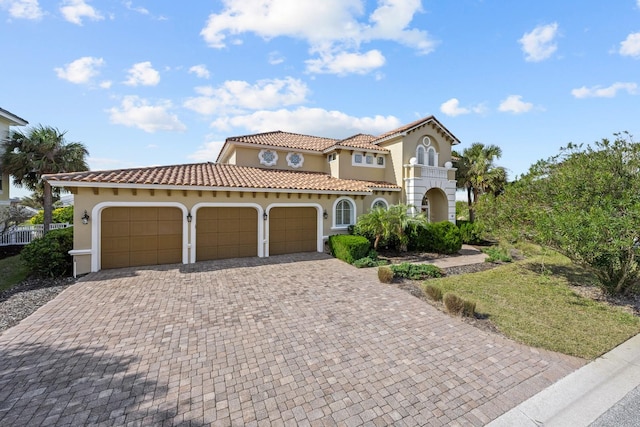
(293,340)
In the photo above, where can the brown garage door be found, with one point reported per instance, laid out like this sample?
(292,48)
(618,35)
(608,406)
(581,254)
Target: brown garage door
(133,236)
(226,233)
(293,230)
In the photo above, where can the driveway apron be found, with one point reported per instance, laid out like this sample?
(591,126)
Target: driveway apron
(288,340)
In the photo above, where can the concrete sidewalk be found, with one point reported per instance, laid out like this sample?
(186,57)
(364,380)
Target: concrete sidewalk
(468,255)
(583,396)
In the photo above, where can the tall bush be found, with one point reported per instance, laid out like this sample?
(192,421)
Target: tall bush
(49,255)
(585,204)
(349,248)
(59,216)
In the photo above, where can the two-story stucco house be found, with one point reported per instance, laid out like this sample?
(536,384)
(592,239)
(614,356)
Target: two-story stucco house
(7,119)
(269,193)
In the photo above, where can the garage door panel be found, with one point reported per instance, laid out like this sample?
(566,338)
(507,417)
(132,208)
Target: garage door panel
(144,228)
(169,256)
(292,229)
(226,232)
(135,236)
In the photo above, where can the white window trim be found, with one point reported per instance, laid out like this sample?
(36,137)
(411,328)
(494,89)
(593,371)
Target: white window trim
(380,199)
(420,148)
(364,163)
(298,165)
(263,161)
(435,156)
(354,215)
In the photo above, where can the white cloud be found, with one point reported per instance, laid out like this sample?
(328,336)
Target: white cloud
(514,104)
(143,74)
(75,10)
(138,112)
(22,9)
(275,58)
(200,71)
(452,108)
(80,71)
(346,63)
(106,84)
(237,96)
(605,92)
(141,10)
(312,121)
(539,44)
(631,45)
(330,27)
(208,152)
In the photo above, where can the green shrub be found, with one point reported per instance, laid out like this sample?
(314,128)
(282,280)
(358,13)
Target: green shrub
(453,303)
(469,308)
(446,237)
(470,232)
(497,254)
(58,216)
(385,274)
(348,248)
(420,237)
(433,292)
(368,262)
(416,271)
(49,255)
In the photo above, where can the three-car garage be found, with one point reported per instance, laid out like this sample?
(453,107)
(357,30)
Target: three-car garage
(153,235)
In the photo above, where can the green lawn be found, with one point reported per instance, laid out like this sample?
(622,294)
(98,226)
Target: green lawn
(530,302)
(12,272)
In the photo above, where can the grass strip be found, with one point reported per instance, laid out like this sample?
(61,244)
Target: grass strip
(530,301)
(12,272)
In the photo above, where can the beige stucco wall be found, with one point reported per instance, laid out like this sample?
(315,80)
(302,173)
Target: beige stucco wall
(347,170)
(95,201)
(247,156)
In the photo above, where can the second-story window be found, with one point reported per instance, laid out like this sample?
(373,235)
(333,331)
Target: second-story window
(431,156)
(420,154)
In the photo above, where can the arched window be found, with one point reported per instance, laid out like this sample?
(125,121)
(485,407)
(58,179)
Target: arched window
(344,212)
(431,156)
(420,154)
(379,203)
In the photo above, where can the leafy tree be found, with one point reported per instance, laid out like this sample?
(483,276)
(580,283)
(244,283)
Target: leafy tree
(36,199)
(11,216)
(584,203)
(478,174)
(41,150)
(375,224)
(58,216)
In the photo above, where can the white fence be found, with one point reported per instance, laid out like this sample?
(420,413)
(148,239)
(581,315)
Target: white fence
(24,234)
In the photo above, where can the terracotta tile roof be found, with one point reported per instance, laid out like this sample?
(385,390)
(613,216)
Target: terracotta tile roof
(361,141)
(286,140)
(419,122)
(218,176)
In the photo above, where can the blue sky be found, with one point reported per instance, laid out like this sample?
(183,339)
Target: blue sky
(154,82)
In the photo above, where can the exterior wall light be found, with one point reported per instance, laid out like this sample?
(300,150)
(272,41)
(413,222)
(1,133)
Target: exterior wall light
(85,217)
(189,217)
(325,215)
(265,216)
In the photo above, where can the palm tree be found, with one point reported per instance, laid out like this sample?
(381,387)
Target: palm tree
(375,224)
(477,173)
(39,151)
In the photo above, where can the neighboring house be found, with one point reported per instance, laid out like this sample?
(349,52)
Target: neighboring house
(7,119)
(269,193)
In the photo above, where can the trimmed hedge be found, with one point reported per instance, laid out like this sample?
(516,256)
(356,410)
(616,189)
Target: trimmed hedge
(349,248)
(440,237)
(49,255)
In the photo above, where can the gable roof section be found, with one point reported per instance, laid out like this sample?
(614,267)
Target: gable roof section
(213,176)
(359,141)
(12,118)
(408,128)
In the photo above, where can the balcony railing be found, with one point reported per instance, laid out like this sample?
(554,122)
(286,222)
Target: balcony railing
(433,172)
(25,234)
